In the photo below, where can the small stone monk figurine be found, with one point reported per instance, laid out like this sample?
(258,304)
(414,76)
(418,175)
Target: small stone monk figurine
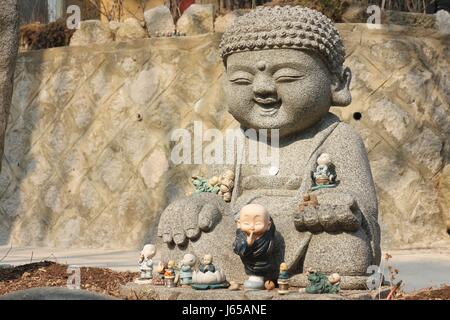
(206,264)
(283,279)
(187,264)
(321,284)
(226,185)
(254,244)
(208,276)
(324,176)
(169,274)
(146,263)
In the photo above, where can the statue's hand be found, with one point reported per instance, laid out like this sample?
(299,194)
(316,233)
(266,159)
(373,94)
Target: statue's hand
(335,213)
(186,218)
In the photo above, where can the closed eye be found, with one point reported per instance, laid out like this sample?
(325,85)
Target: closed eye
(288,78)
(241,81)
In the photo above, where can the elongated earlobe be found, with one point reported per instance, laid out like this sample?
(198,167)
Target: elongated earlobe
(340,90)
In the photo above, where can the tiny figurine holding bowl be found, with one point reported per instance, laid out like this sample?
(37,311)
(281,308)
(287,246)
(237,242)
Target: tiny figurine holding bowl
(254,244)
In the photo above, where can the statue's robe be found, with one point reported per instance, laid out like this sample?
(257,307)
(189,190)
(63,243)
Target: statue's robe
(281,194)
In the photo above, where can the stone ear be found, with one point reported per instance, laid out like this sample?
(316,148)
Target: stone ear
(340,89)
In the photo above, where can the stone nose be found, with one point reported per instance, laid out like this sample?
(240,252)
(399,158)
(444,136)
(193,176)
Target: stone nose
(264,86)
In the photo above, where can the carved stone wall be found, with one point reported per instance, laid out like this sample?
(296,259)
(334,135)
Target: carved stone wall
(88,142)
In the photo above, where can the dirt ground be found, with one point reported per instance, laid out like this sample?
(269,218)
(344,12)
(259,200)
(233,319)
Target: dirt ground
(51,274)
(442,293)
(106,281)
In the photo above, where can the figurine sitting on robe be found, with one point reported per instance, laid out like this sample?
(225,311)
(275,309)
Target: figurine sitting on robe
(324,176)
(206,185)
(226,185)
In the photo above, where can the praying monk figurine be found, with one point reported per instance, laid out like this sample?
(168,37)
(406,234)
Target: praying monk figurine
(284,70)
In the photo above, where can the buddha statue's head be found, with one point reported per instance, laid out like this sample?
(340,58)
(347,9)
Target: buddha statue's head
(284,68)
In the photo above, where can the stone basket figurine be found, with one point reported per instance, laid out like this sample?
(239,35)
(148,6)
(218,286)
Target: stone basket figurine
(284,69)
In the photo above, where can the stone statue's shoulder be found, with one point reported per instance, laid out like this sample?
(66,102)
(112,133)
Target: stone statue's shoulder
(345,134)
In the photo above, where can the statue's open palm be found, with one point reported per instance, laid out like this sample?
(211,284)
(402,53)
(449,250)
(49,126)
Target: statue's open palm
(186,218)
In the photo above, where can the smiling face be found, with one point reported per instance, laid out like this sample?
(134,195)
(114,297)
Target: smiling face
(254,218)
(282,89)
(207,259)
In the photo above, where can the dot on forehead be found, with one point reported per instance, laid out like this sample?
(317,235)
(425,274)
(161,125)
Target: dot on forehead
(261,65)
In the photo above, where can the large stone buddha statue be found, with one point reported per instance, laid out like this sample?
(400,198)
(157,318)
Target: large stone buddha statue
(284,70)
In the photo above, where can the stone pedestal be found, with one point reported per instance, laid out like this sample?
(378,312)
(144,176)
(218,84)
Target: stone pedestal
(150,292)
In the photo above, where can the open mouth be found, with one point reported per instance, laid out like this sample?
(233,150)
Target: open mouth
(268,106)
